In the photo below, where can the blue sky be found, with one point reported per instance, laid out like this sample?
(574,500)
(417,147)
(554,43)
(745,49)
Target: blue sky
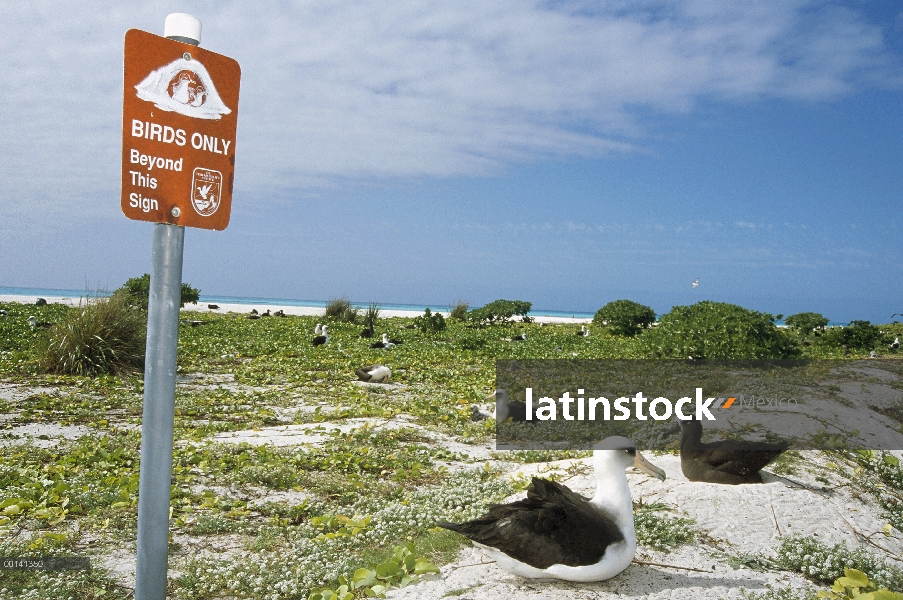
(565,153)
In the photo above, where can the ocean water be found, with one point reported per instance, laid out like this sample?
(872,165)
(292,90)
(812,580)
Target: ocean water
(204,299)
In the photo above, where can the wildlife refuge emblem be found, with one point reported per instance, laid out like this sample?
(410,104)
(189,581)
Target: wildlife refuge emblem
(205,190)
(183,86)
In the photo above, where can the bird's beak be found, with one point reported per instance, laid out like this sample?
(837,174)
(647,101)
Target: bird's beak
(675,428)
(642,464)
(490,397)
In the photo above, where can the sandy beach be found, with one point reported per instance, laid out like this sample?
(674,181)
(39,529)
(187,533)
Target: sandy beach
(299,311)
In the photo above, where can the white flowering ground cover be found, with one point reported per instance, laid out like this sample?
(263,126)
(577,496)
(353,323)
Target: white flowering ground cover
(291,478)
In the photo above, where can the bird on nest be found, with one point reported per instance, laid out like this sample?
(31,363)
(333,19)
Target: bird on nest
(505,408)
(35,324)
(557,533)
(323,338)
(896,343)
(729,462)
(373,373)
(583,331)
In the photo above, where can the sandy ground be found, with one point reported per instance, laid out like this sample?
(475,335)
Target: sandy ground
(300,311)
(734,521)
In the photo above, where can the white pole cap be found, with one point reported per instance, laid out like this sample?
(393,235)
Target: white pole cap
(182,25)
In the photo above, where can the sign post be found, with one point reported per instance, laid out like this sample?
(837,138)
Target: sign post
(180,108)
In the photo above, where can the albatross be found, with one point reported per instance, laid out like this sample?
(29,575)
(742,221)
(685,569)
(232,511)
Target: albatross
(323,338)
(729,462)
(373,373)
(556,533)
(506,409)
(583,332)
(385,344)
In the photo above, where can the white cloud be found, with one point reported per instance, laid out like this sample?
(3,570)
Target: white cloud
(339,90)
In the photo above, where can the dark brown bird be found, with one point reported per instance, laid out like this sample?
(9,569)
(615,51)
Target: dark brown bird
(728,461)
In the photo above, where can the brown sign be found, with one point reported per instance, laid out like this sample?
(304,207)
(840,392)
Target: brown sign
(179,115)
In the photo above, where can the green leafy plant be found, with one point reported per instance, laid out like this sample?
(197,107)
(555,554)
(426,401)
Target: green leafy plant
(807,322)
(430,322)
(341,310)
(718,330)
(136,292)
(459,310)
(855,584)
(402,568)
(500,311)
(858,335)
(105,335)
(624,317)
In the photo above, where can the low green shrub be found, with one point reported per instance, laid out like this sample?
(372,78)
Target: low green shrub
(718,330)
(807,322)
(858,335)
(105,336)
(430,322)
(500,311)
(136,291)
(624,317)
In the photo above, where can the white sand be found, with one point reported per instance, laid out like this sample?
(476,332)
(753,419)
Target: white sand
(299,311)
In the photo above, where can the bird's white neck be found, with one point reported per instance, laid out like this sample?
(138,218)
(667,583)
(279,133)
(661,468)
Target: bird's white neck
(612,495)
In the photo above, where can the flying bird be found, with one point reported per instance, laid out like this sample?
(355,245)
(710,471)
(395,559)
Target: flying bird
(556,533)
(696,283)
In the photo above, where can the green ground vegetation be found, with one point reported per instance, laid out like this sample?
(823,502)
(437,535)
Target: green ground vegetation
(356,507)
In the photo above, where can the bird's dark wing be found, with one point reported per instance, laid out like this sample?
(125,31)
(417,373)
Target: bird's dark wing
(553,525)
(741,457)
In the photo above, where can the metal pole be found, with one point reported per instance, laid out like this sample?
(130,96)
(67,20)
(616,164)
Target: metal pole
(160,383)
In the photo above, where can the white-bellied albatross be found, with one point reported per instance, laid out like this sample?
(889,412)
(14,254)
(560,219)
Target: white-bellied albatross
(583,332)
(373,373)
(556,533)
(385,344)
(323,338)
(318,330)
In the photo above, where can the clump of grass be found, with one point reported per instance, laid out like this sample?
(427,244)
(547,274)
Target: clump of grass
(105,336)
(341,310)
(459,310)
(371,315)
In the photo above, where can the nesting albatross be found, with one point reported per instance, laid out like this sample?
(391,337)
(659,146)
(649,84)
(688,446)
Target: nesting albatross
(373,373)
(556,533)
(729,462)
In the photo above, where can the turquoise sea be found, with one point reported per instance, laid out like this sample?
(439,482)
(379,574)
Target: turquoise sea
(205,299)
